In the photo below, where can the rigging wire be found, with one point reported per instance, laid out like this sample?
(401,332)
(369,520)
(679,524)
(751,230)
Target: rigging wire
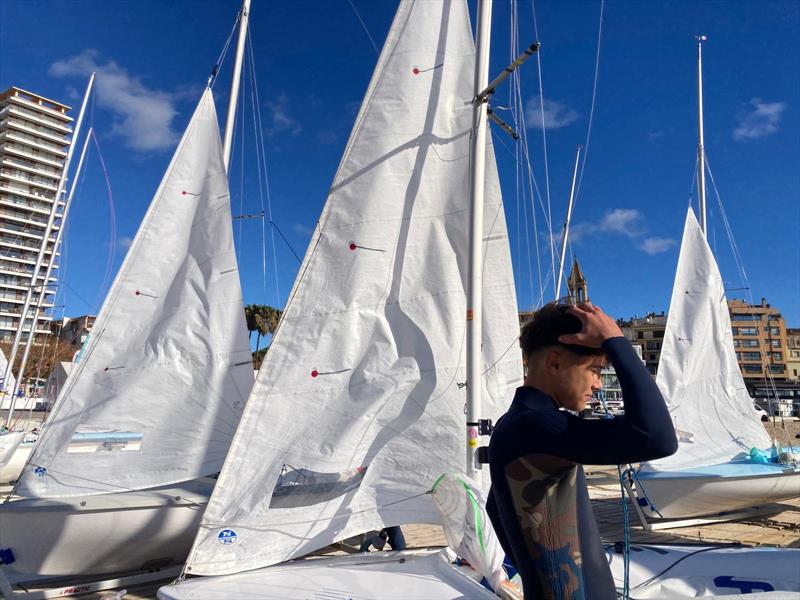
(769,380)
(544,143)
(218,64)
(112,223)
(594,98)
(262,166)
(364,25)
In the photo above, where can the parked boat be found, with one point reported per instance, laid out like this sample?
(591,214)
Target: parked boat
(153,404)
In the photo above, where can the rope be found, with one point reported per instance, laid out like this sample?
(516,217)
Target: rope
(626,552)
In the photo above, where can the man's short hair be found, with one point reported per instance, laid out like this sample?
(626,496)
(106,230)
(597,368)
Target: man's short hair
(546,325)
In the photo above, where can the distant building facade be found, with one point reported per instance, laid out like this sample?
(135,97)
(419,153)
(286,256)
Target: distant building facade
(759,337)
(34,139)
(648,334)
(793,356)
(74,330)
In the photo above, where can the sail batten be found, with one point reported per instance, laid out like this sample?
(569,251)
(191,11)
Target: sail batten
(698,373)
(162,382)
(359,405)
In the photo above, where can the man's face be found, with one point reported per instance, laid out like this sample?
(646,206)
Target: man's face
(576,378)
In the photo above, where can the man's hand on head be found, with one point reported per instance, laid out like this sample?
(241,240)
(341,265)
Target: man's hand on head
(597,326)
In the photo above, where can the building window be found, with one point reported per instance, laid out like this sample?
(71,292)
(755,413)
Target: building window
(776,343)
(751,355)
(658,333)
(779,369)
(740,317)
(639,335)
(749,343)
(747,331)
(751,368)
(777,356)
(654,345)
(795,353)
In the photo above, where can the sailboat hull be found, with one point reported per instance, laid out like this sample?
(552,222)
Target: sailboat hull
(695,571)
(411,575)
(13,460)
(102,534)
(705,491)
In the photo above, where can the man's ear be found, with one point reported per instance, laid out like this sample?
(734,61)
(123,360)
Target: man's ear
(552,359)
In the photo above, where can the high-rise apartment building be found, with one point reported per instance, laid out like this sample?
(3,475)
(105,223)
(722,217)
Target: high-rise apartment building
(34,139)
(759,336)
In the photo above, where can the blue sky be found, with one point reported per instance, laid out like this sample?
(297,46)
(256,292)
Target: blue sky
(313,61)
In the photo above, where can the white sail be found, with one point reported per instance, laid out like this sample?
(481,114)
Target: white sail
(359,405)
(163,379)
(698,373)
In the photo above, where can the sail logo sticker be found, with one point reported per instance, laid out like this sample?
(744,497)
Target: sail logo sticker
(40,472)
(227,537)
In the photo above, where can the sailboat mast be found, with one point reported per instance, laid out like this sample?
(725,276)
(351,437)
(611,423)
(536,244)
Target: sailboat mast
(474,289)
(230,120)
(40,257)
(701,162)
(565,231)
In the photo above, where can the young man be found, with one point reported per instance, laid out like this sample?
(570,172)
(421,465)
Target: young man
(539,504)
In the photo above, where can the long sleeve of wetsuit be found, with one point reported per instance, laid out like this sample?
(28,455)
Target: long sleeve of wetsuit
(645,432)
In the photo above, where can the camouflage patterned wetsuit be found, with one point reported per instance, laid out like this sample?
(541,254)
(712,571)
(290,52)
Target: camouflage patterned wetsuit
(539,504)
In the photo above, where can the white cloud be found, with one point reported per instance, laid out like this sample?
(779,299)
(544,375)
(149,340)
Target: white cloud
(142,116)
(556,114)
(657,245)
(626,221)
(758,119)
(622,221)
(281,119)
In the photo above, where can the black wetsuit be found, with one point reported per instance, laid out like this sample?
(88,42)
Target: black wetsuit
(539,504)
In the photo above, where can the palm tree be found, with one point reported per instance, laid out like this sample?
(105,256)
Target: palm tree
(264,321)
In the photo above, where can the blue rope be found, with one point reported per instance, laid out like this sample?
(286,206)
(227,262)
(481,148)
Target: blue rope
(626,551)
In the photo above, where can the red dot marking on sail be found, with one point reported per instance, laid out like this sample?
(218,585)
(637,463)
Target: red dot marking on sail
(353,246)
(138,292)
(106,369)
(415,71)
(314,373)
(183,193)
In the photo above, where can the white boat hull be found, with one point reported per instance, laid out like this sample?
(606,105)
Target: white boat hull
(694,571)
(102,534)
(11,468)
(410,575)
(680,495)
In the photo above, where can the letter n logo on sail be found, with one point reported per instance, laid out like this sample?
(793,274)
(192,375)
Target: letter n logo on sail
(227,537)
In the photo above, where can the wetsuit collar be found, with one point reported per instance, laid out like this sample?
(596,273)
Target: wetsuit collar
(531,398)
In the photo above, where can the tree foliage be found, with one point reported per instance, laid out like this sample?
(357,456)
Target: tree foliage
(262,320)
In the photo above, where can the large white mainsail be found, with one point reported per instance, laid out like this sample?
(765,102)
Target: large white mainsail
(698,373)
(163,379)
(359,406)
